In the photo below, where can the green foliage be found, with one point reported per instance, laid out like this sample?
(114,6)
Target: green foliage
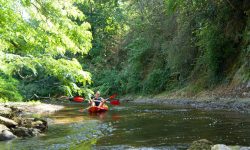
(108,82)
(180,50)
(107,20)
(139,46)
(41,86)
(156,81)
(41,38)
(9,89)
(216,49)
(168,43)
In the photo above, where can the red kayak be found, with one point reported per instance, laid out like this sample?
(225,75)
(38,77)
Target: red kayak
(97,109)
(78,99)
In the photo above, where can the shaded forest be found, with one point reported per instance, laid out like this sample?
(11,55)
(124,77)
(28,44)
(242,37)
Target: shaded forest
(142,47)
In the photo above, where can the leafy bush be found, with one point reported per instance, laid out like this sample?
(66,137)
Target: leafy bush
(108,82)
(156,81)
(215,50)
(9,89)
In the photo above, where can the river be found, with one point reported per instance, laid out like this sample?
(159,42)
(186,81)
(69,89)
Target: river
(137,126)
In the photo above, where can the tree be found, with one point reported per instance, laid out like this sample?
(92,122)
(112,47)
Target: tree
(41,39)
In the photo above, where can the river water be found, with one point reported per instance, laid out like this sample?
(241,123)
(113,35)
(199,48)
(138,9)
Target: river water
(137,126)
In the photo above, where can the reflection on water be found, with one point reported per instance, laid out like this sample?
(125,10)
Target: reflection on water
(137,127)
(100,116)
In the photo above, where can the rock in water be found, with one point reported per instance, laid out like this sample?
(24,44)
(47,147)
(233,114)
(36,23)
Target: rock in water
(220,147)
(202,144)
(3,127)
(21,131)
(7,122)
(25,132)
(6,135)
(35,132)
(37,123)
(40,124)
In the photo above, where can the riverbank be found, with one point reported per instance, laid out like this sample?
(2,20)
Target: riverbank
(226,98)
(240,105)
(17,119)
(33,107)
(232,97)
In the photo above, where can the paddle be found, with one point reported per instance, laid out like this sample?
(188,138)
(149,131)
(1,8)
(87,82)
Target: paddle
(113,96)
(113,101)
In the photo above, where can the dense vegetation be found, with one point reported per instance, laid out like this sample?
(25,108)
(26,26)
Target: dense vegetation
(138,46)
(40,41)
(163,45)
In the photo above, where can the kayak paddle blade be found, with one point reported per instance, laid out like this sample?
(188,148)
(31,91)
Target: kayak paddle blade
(113,96)
(115,102)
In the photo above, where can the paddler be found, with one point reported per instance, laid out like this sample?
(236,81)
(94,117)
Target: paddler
(96,100)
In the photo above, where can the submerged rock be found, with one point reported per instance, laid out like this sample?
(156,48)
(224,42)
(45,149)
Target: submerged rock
(8,122)
(26,132)
(6,135)
(202,144)
(32,123)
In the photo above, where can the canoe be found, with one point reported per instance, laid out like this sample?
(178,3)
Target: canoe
(97,109)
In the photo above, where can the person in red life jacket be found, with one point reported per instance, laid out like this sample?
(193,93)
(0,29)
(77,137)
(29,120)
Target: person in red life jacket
(97,100)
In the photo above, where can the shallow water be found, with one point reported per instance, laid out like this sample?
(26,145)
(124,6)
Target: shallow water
(137,126)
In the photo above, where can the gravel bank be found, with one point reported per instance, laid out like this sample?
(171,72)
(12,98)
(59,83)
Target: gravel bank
(230,104)
(37,108)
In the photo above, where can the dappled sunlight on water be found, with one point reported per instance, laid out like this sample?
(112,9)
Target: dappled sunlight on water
(73,119)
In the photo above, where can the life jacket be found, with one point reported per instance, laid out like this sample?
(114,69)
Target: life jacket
(97,100)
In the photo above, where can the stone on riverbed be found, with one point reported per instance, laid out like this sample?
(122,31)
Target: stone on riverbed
(7,122)
(32,123)
(40,124)
(202,144)
(6,135)
(26,132)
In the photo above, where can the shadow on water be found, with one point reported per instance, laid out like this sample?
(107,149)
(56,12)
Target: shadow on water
(137,127)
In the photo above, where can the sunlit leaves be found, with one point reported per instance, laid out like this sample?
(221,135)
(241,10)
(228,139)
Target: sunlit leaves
(8,89)
(43,35)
